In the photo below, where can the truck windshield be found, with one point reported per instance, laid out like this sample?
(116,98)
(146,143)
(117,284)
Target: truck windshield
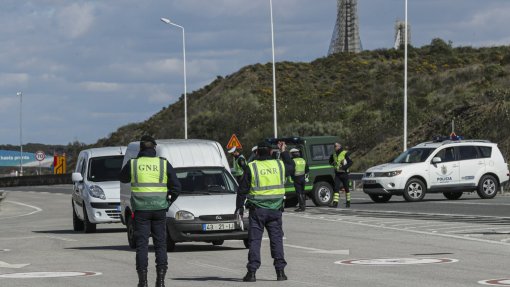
(106,168)
(414,155)
(205,180)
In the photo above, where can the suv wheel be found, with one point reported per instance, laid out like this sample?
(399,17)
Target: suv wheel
(487,187)
(77,222)
(380,198)
(130,231)
(89,227)
(415,190)
(452,195)
(322,194)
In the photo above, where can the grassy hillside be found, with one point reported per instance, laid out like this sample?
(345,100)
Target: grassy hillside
(358,97)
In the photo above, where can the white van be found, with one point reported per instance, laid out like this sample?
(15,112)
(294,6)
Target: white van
(205,208)
(96,194)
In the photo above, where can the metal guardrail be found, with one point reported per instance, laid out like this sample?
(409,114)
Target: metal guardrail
(32,180)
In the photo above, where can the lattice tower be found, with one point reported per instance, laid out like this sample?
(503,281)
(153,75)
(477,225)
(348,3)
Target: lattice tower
(346,33)
(400,27)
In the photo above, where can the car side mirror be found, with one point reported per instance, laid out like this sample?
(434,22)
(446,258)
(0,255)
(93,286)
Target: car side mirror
(436,160)
(77,177)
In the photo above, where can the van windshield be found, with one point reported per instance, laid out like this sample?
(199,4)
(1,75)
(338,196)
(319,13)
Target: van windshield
(414,155)
(205,180)
(106,168)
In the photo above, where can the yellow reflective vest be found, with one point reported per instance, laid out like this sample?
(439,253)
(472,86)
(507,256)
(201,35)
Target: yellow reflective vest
(149,183)
(267,184)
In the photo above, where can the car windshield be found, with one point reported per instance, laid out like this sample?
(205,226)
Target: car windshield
(414,155)
(105,168)
(205,181)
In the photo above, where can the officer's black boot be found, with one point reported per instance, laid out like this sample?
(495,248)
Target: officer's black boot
(347,204)
(160,279)
(280,275)
(142,278)
(249,277)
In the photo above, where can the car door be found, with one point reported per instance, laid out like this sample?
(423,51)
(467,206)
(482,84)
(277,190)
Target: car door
(78,188)
(447,172)
(472,165)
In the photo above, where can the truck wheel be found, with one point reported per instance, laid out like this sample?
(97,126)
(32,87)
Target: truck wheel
(487,187)
(77,222)
(291,202)
(452,195)
(130,231)
(380,198)
(170,244)
(415,190)
(89,227)
(322,193)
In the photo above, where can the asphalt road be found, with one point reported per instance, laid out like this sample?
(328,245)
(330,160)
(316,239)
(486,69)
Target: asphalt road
(431,243)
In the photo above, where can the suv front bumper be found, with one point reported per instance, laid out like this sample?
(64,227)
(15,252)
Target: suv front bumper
(192,230)
(383,185)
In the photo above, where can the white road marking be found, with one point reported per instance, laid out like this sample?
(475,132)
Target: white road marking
(505,240)
(416,231)
(467,227)
(480,228)
(34,237)
(320,251)
(47,275)
(12,266)
(473,203)
(5,250)
(37,209)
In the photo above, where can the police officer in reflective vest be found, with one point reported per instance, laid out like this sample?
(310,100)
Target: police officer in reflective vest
(263,188)
(239,163)
(341,161)
(154,186)
(300,178)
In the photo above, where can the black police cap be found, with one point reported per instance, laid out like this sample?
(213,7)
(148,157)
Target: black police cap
(147,139)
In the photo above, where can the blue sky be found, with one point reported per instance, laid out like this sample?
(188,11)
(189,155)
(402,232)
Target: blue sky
(88,67)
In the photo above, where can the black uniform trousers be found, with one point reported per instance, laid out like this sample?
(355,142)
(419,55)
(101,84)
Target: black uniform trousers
(147,223)
(299,185)
(342,180)
(259,219)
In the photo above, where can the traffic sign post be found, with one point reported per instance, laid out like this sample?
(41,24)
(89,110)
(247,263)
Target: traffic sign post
(40,156)
(234,142)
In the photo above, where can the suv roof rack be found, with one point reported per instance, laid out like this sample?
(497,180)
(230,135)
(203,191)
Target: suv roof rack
(443,142)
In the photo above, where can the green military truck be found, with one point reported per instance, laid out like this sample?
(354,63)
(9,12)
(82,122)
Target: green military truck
(316,151)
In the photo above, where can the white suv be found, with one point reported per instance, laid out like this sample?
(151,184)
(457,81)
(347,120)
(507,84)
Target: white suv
(450,167)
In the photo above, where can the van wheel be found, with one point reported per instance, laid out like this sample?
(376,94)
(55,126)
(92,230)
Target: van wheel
(380,198)
(322,193)
(170,244)
(130,231)
(415,190)
(291,202)
(452,195)
(246,243)
(77,222)
(487,187)
(89,227)
(218,242)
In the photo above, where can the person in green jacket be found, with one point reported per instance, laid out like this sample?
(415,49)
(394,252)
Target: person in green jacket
(341,161)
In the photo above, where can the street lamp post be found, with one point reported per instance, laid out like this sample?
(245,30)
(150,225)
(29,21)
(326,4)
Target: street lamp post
(274,71)
(167,21)
(20,133)
(405,79)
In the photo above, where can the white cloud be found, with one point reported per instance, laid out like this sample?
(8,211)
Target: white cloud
(165,66)
(8,103)
(13,79)
(100,86)
(76,19)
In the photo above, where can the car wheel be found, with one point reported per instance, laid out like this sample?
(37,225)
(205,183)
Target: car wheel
(380,198)
(130,231)
(291,202)
(218,242)
(452,195)
(322,194)
(170,244)
(415,190)
(487,187)
(89,227)
(77,222)
(246,243)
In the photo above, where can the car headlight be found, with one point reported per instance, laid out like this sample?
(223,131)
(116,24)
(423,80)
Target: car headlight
(392,173)
(184,215)
(97,192)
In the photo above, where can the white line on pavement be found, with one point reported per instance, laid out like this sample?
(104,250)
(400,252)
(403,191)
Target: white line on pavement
(480,228)
(34,237)
(16,266)
(37,209)
(321,251)
(473,203)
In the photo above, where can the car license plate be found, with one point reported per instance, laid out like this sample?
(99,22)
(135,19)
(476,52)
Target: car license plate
(369,181)
(218,226)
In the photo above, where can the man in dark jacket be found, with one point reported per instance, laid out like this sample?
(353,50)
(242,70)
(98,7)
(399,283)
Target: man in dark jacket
(341,161)
(154,186)
(262,185)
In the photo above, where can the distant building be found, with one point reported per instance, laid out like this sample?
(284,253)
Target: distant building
(400,28)
(346,33)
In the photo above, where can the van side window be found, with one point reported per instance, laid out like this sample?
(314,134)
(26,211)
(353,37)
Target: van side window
(468,152)
(82,168)
(447,154)
(485,151)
